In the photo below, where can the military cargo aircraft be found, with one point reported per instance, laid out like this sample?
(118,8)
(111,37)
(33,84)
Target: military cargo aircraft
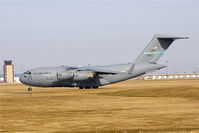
(94,76)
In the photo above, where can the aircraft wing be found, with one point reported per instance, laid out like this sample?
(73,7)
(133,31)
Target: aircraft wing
(94,69)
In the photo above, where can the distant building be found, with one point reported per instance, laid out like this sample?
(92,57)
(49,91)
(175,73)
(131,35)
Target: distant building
(1,80)
(8,70)
(16,80)
(168,76)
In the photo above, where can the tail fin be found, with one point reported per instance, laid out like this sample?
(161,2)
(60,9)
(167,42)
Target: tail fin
(156,48)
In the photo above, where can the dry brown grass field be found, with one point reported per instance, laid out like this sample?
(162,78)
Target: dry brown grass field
(128,107)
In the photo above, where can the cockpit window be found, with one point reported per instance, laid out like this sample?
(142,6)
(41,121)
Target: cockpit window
(27,73)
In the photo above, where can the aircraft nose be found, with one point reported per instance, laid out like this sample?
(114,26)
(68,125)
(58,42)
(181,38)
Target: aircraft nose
(21,79)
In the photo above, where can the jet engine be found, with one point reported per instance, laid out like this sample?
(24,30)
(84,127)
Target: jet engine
(83,75)
(64,75)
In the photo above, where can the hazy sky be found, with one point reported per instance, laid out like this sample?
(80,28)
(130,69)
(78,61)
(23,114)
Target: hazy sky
(36,33)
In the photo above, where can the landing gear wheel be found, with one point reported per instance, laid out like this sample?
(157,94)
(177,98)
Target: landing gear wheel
(29,89)
(81,87)
(95,87)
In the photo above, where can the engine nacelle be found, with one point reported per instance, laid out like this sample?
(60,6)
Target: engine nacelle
(83,75)
(64,75)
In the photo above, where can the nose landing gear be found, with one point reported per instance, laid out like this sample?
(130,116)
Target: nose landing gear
(29,89)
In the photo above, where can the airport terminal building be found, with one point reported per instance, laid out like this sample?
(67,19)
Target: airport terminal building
(168,76)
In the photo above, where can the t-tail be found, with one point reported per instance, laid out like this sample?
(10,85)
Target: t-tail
(152,53)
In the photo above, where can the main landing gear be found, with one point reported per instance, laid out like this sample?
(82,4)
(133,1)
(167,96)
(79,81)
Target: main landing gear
(94,87)
(29,89)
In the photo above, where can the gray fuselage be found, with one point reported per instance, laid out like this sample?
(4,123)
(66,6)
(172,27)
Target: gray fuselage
(48,76)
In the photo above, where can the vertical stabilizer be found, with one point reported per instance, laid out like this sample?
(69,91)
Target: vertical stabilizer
(156,48)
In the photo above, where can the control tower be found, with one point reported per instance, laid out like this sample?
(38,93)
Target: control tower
(8,70)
